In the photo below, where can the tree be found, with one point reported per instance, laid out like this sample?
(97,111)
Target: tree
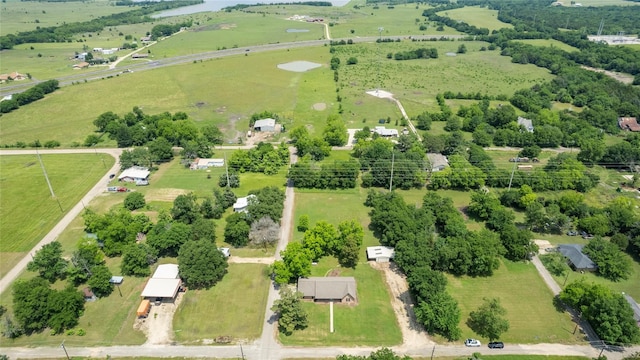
(295,263)
(236,232)
(462,49)
(440,314)
(100,281)
(488,321)
(212,134)
(136,259)
(160,150)
(352,60)
(65,307)
(134,201)
(382,354)
(209,210)
(269,201)
(612,263)
(203,229)
(348,242)
(303,223)
(30,304)
(291,314)
(48,262)
(264,231)
(201,264)
(234,180)
(320,240)
(185,208)
(556,263)
(167,237)
(335,132)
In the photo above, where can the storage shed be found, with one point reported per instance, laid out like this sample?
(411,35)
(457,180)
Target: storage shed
(265,125)
(380,253)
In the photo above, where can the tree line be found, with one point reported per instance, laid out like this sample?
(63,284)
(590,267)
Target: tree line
(32,94)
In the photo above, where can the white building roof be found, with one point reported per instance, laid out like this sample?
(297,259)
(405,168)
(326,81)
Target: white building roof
(382,131)
(161,288)
(211,162)
(116,279)
(242,202)
(374,252)
(264,123)
(135,172)
(166,271)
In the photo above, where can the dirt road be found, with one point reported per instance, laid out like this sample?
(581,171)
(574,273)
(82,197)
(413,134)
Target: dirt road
(6,281)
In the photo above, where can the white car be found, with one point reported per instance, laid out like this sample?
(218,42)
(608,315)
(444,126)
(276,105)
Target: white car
(472,343)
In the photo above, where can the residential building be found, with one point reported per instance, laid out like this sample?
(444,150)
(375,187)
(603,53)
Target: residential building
(329,289)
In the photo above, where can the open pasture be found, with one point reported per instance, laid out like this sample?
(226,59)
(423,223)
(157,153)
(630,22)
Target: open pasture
(418,81)
(522,292)
(27,15)
(27,210)
(370,323)
(480,17)
(209,92)
(238,302)
(549,43)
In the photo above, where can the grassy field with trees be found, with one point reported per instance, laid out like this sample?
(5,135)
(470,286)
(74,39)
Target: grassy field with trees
(28,211)
(480,17)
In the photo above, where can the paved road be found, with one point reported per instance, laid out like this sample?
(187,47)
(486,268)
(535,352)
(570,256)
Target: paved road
(6,281)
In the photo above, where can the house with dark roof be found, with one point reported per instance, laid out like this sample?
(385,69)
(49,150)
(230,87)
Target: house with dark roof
(438,162)
(329,289)
(628,124)
(577,259)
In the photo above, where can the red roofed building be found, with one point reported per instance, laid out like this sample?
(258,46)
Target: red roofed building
(628,123)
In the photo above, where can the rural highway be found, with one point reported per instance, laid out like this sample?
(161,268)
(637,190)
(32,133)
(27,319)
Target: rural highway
(151,64)
(6,281)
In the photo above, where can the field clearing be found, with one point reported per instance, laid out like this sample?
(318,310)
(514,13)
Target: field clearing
(501,159)
(371,322)
(530,311)
(417,82)
(71,110)
(26,15)
(479,17)
(239,300)
(549,43)
(27,210)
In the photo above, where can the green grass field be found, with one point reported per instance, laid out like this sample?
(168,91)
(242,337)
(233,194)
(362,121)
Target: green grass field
(525,296)
(27,210)
(549,43)
(238,300)
(371,322)
(477,16)
(71,110)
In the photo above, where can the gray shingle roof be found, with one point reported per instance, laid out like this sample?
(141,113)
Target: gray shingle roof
(327,288)
(574,253)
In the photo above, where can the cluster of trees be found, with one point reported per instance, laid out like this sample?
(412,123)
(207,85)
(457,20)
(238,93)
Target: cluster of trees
(66,31)
(291,315)
(260,221)
(315,148)
(116,229)
(160,131)
(264,158)
(323,239)
(336,175)
(422,53)
(608,312)
(162,30)
(34,93)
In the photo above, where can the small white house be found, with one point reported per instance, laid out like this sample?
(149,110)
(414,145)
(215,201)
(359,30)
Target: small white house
(200,164)
(265,125)
(526,123)
(225,251)
(135,174)
(438,162)
(242,203)
(380,253)
(384,132)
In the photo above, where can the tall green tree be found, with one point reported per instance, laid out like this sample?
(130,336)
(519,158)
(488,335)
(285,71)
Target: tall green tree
(201,264)
(488,321)
(100,281)
(291,315)
(134,201)
(237,229)
(335,131)
(136,259)
(185,208)
(48,262)
(440,314)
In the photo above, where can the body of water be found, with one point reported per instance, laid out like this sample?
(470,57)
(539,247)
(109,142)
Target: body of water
(216,5)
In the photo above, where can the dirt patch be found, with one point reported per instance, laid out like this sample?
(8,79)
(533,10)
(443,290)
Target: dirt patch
(166,194)
(221,109)
(622,77)
(543,245)
(463,211)
(258,137)
(334,273)
(413,334)
(359,102)
(200,104)
(319,106)
(158,326)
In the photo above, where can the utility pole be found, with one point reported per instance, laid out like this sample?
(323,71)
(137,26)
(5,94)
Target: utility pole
(515,164)
(226,166)
(241,352)
(46,177)
(393,158)
(65,350)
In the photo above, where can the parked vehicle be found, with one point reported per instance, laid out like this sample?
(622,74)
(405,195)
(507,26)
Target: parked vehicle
(496,345)
(472,343)
(143,309)
(572,233)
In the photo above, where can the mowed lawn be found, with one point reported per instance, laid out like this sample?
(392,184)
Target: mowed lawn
(210,92)
(27,210)
(234,307)
(525,296)
(477,16)
(371,322)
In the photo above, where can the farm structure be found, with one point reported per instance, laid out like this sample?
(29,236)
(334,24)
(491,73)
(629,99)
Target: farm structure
(380,253)
(577,259)
(135,174)
(201,164)
(526,123)
(384,132)
(329,289)
(268,125)
(164,284)
(438,162)
(628,124)
(242,203)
